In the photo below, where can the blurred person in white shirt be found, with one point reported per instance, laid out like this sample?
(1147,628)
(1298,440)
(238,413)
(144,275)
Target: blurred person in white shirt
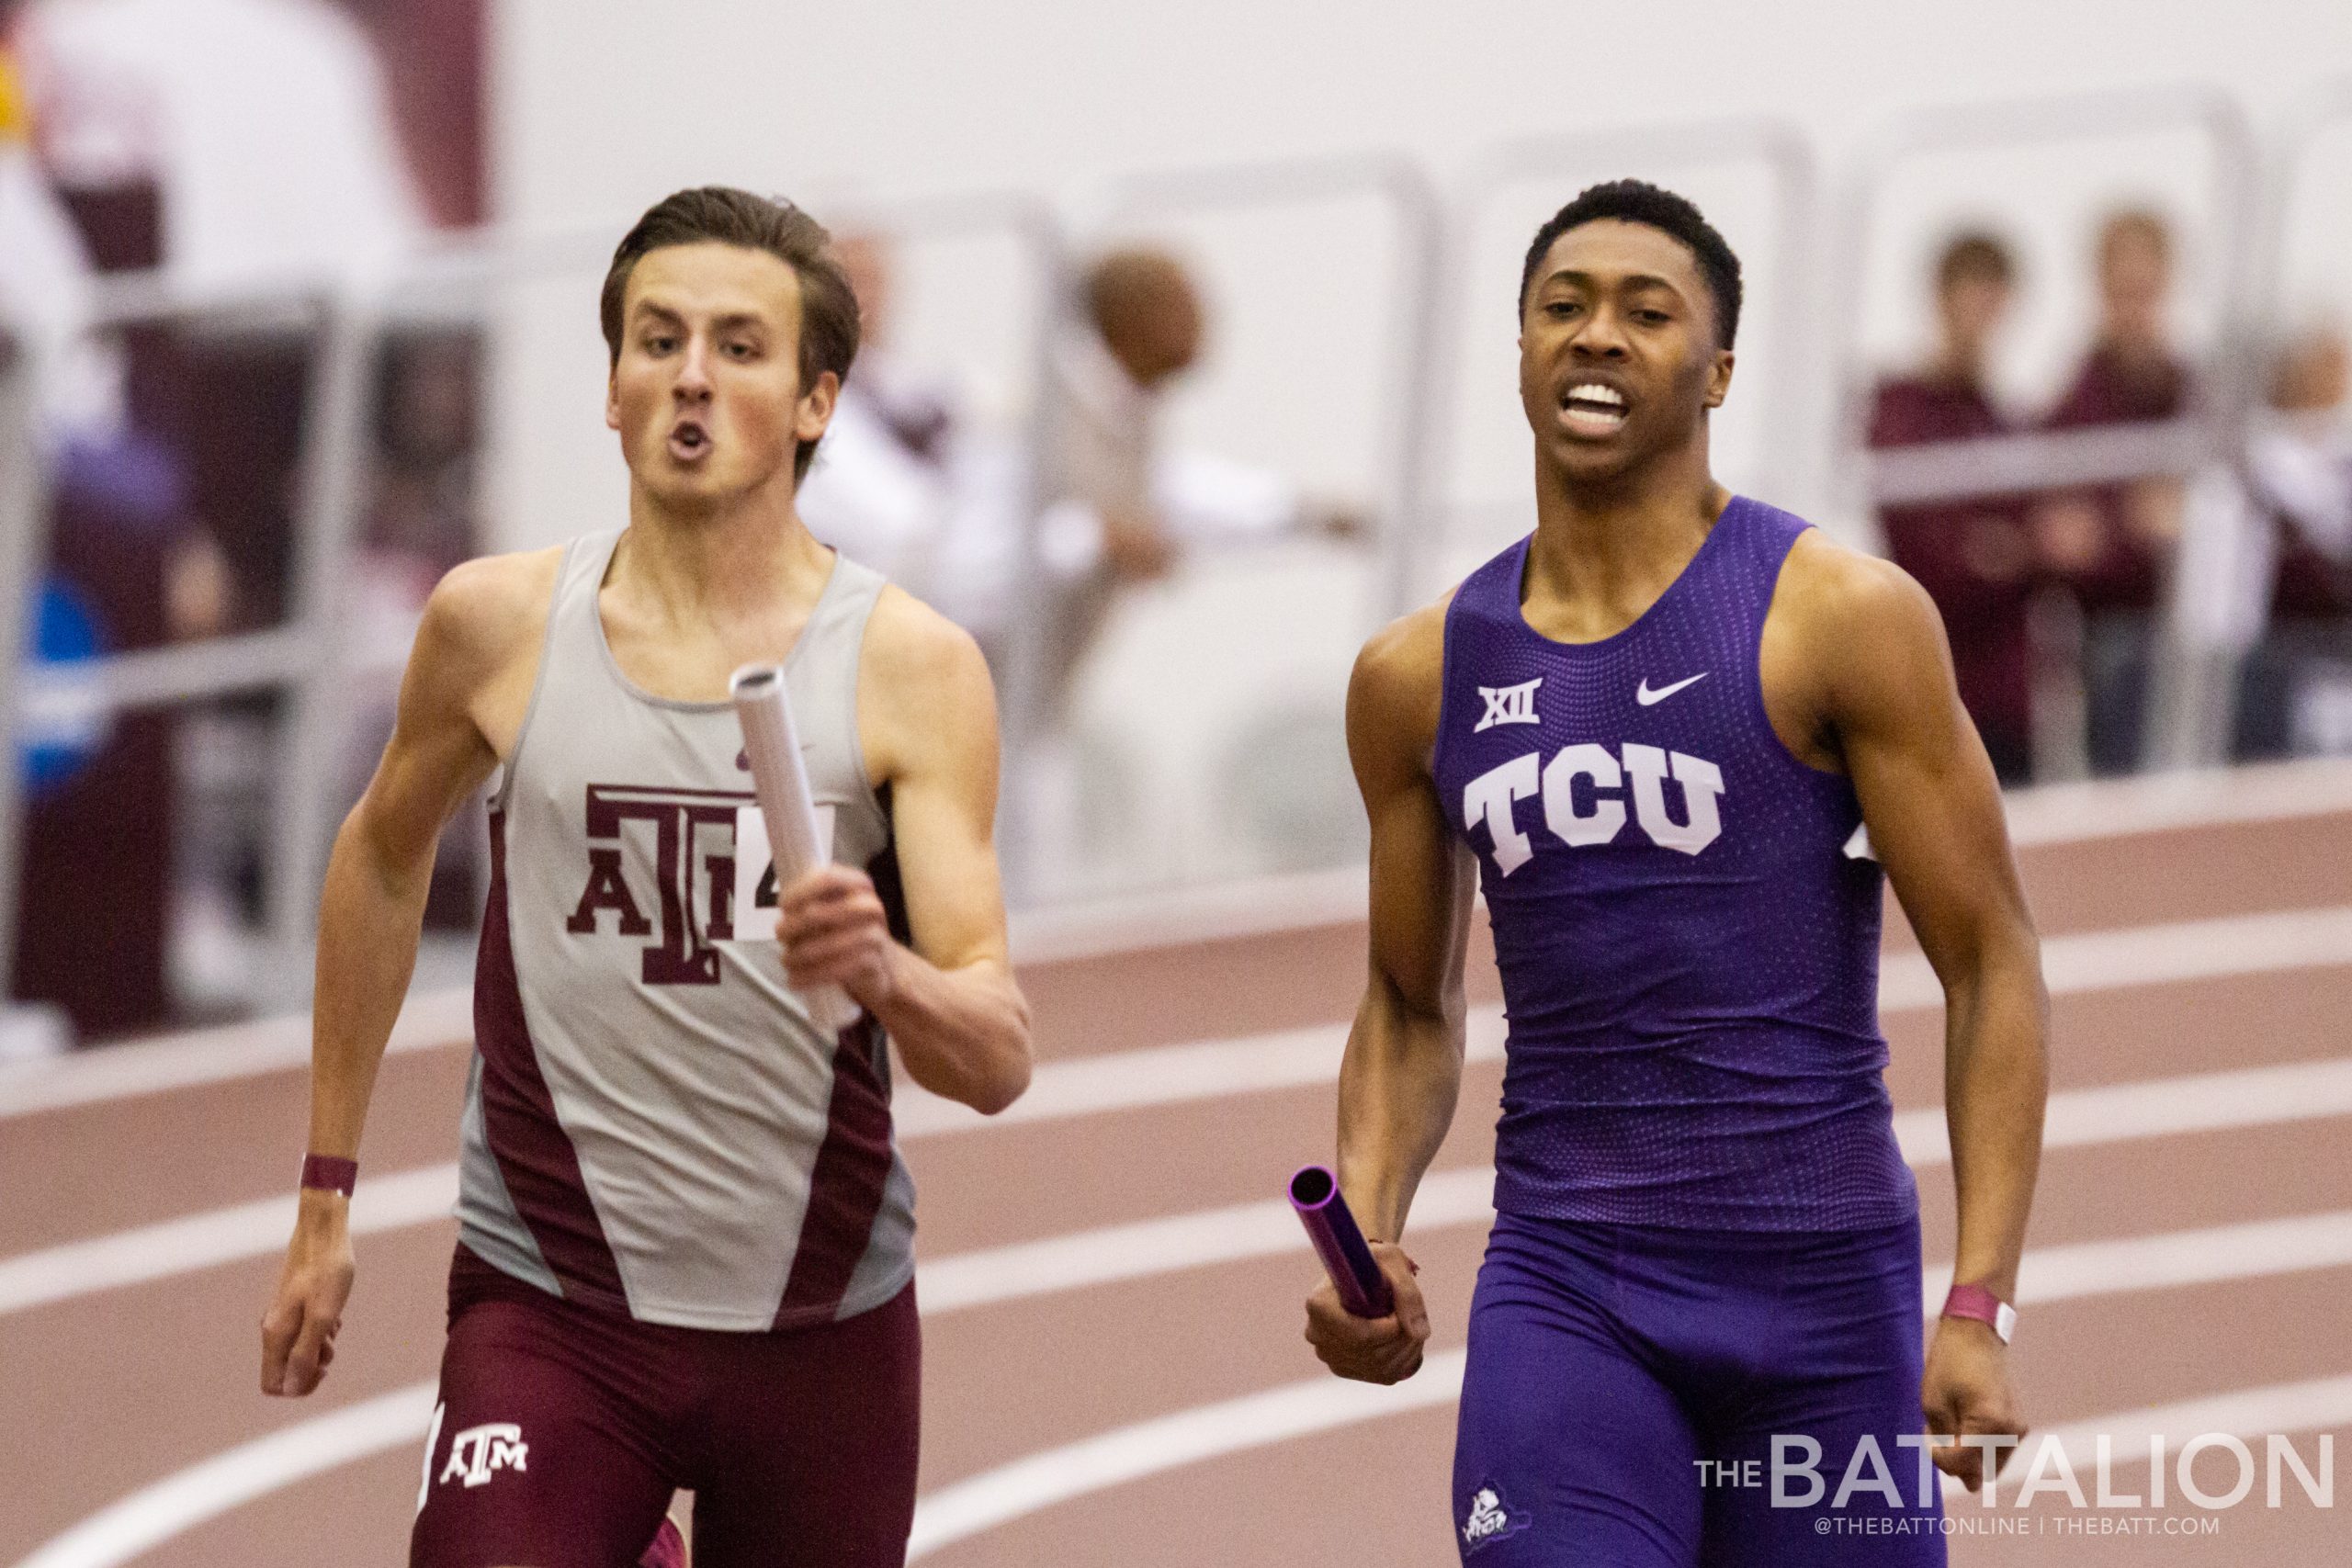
(2295,692)
(264,122)
(892,473)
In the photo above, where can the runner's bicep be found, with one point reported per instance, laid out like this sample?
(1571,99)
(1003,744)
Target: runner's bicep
(1928,792)
(943,810)
(436,757)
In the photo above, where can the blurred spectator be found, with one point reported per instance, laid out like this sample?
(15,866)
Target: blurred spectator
(921,411)
(234,143)
(2111,546)
(1140,327)
(122,567)
(891,474)
(1121,508)
(1975,557)
(2299,470)
(420,508)
(907,481)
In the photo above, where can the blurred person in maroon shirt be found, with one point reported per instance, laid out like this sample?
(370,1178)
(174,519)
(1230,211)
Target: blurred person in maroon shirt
(1974,557)
(2111,546)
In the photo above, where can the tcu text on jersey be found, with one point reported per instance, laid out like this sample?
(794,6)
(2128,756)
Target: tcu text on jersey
(1489,798)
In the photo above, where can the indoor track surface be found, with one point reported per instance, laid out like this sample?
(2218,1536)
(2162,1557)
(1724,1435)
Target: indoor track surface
(1115,1373)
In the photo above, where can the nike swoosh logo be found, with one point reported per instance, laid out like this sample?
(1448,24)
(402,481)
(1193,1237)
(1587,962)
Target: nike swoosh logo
(1644,695)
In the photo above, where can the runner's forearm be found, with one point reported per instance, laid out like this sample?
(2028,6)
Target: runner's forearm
(1996,1079)
(370,913)
(963,1032)
(1397,1087)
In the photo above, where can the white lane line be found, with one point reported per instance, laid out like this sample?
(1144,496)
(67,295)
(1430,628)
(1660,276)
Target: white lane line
(427,1020)
(1297,1058)
(2287,1408)
(2160,803)
(1168,1442)
(2213,1255)
(2083,962)
(1226,911)
(1181,1243)
(2196,1103)
(1040,1480)
(2252,1096)
(236,1476)
(2272,942)
(1172,1245)
(137,1523)
(2050,815)
(219,1236)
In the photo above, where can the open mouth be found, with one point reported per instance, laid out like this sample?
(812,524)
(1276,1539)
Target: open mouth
(1593,408)
(688,441)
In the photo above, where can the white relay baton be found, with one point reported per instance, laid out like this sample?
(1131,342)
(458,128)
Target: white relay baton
(780,780)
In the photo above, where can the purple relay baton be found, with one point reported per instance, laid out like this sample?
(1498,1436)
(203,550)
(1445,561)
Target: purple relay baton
(1364,1288)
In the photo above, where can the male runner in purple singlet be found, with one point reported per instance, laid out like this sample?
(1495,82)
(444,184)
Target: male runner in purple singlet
(1679,732)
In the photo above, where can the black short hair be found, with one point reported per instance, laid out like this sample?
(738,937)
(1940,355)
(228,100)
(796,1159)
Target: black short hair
(1639,201)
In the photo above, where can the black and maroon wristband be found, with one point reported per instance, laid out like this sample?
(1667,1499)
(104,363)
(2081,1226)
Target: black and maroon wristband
(329,1174)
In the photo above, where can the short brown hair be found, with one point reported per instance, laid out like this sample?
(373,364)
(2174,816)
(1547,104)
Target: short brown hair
(723,215)
(1974,254)
(2143,224)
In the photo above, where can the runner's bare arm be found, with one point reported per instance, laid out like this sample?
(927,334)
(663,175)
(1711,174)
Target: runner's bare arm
(1403,1067)
(927,721)
(1933,809)
(1402,1072)
(476,644)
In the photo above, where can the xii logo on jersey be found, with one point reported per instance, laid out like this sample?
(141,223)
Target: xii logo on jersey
(709,868)
(1508,705)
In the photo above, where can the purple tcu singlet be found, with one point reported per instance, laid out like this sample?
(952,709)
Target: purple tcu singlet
(1684,916)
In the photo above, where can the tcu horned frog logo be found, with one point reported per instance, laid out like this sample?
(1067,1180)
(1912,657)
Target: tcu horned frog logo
(711,869)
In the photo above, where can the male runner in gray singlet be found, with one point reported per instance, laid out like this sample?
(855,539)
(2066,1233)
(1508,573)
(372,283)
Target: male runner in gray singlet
(685,1250)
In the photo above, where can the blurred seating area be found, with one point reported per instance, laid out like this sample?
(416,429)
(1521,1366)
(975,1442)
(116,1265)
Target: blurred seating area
(243,432)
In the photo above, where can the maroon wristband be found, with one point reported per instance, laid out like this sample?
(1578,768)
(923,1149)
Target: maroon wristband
(1981,1305)
(330,1174)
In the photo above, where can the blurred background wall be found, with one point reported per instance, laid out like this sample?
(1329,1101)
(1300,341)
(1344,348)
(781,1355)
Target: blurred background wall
(1065,96)
(305,292)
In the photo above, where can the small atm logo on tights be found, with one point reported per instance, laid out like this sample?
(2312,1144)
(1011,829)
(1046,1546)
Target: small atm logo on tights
(479,1452)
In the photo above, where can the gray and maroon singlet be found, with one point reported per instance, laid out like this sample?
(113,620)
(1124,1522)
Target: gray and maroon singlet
(653,1124)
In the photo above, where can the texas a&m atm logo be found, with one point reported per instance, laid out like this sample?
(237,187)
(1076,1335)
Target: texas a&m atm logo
(711,870)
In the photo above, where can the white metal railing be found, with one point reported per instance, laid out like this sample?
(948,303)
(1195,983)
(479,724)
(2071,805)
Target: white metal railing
(1815,441)
(24,523)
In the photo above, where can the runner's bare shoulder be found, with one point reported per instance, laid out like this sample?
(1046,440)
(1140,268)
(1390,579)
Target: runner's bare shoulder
(1394,691)
(923,690)
(486,613)
(477,652)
